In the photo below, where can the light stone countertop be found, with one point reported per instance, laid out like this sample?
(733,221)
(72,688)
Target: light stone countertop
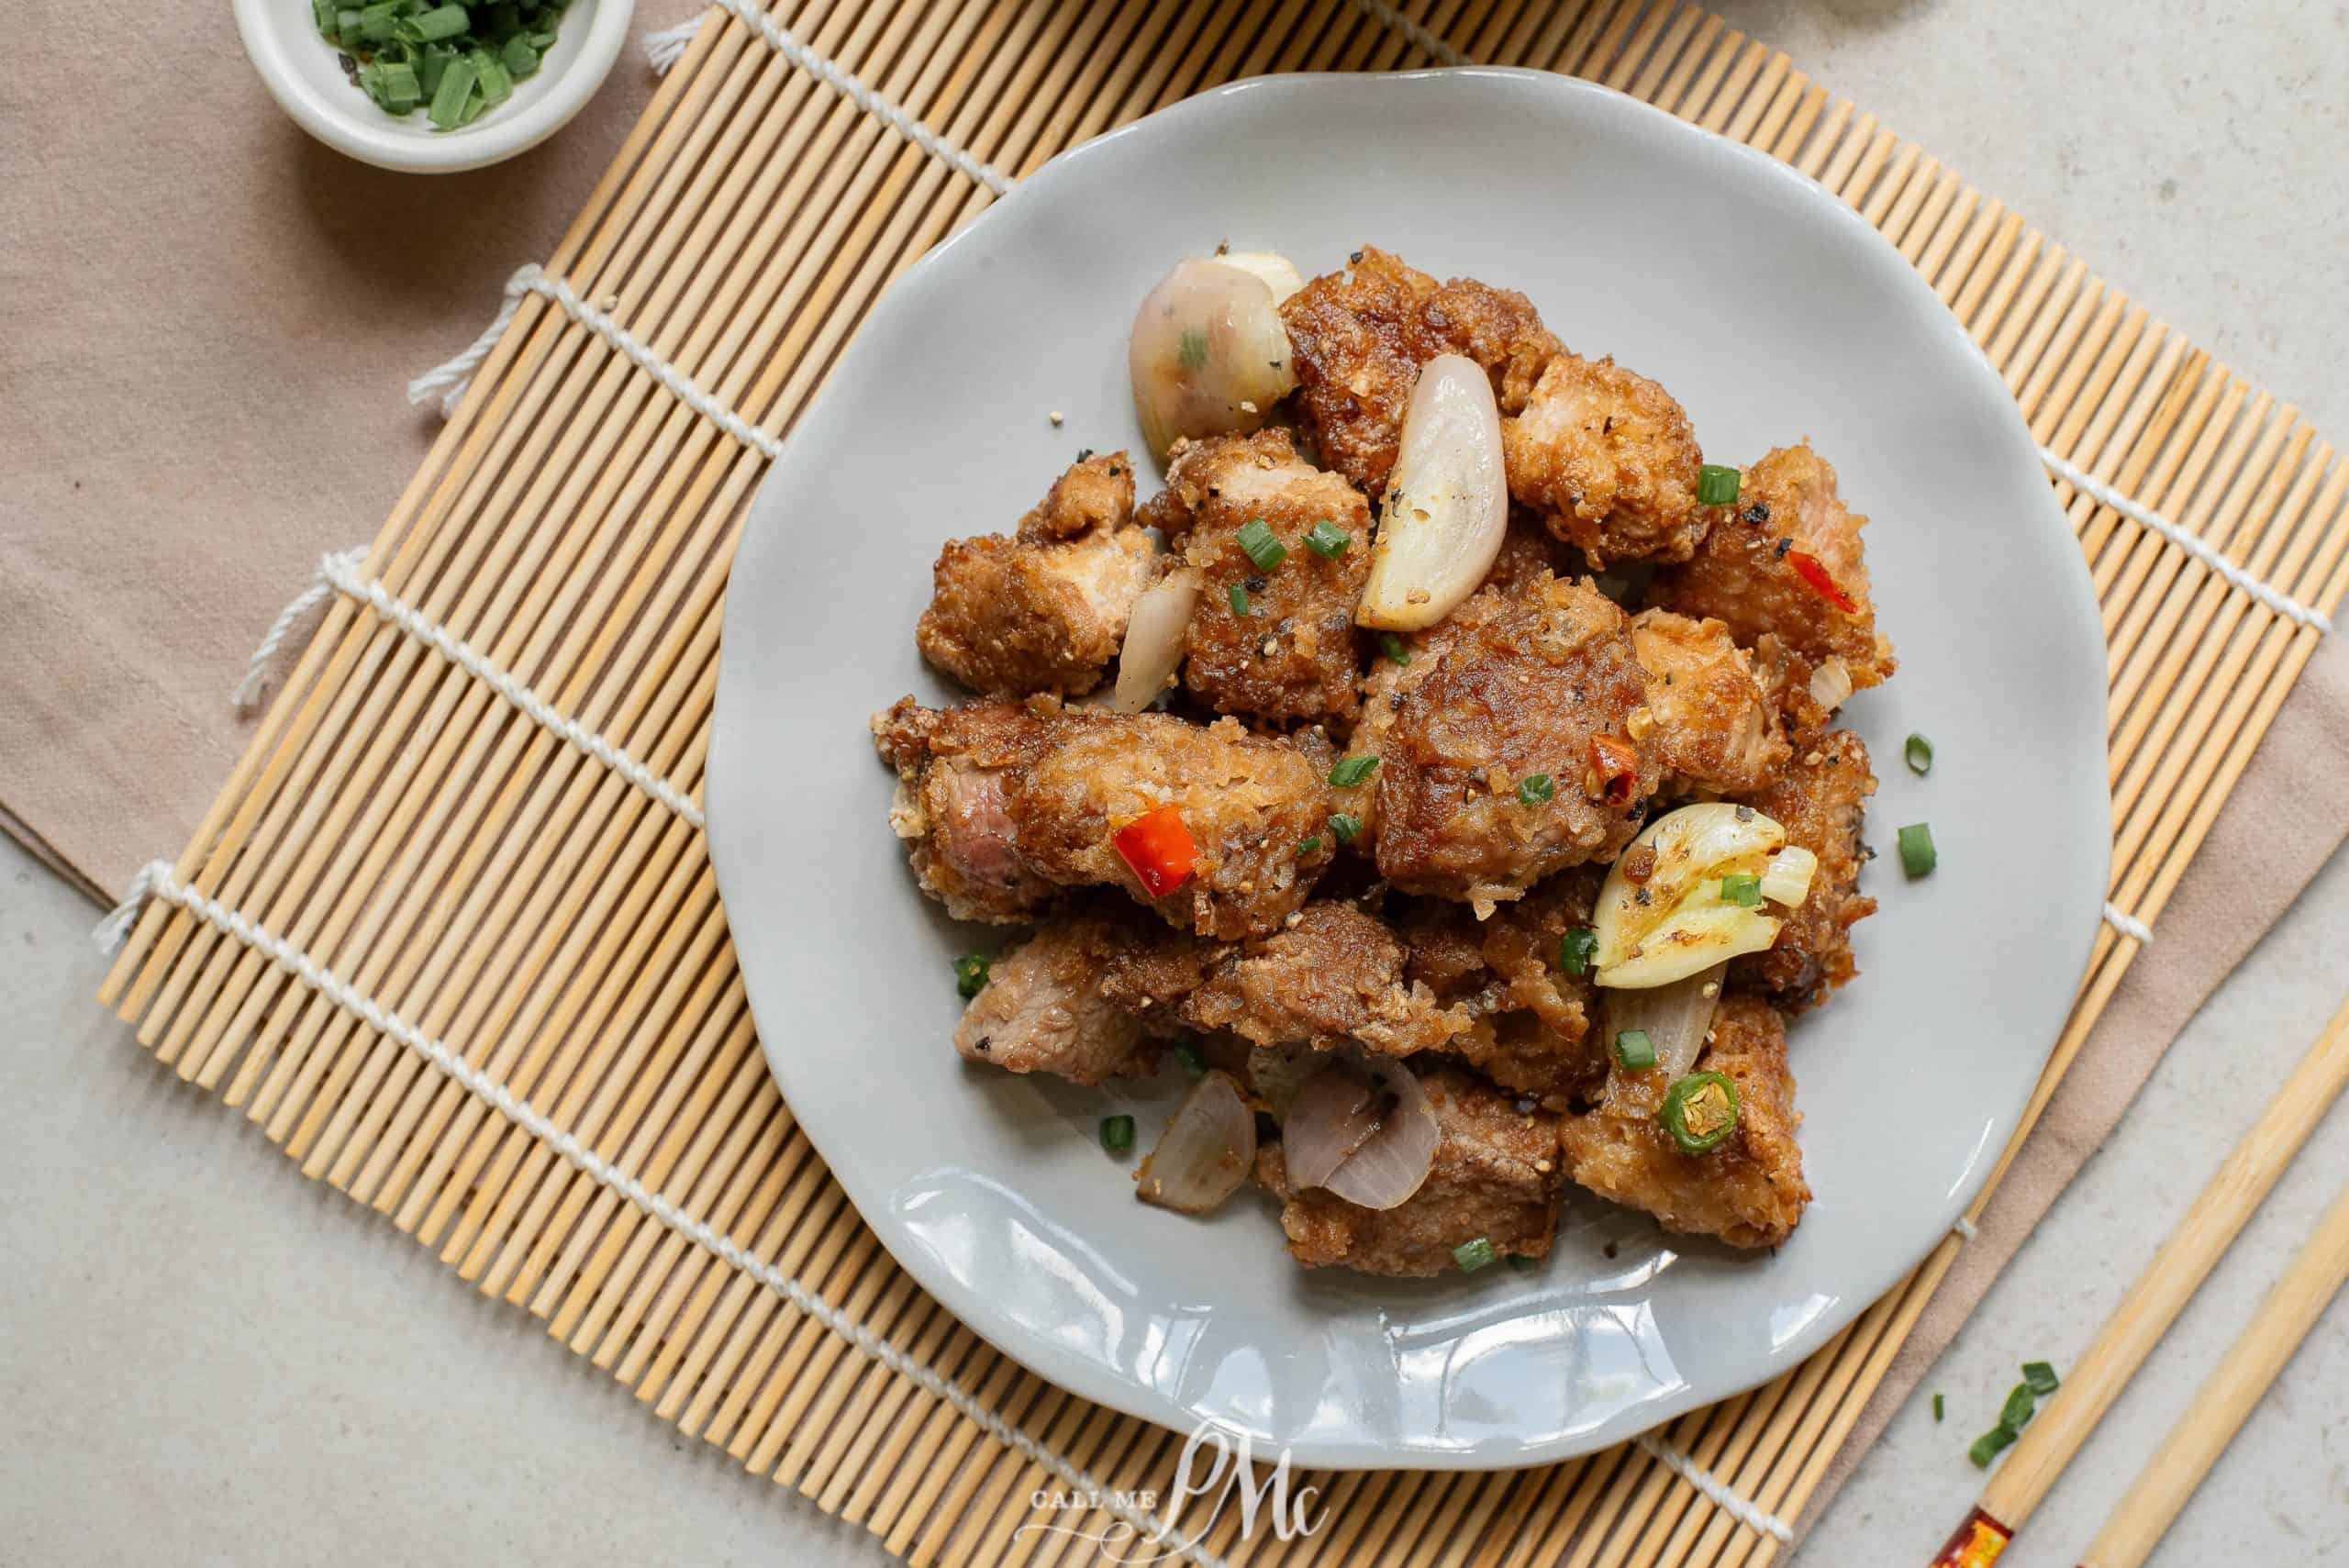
(202,1354)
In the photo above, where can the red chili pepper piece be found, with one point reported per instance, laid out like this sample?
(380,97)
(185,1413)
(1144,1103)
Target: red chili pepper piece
(1158,849)
(1814,572)
(1616,763)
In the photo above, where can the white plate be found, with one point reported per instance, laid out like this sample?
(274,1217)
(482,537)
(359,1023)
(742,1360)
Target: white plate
(1773,312)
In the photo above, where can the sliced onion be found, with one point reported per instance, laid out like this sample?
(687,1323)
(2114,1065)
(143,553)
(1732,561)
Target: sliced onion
(1209,355)
(1325,1144)
(1675,922)
(1446,507)
(1786,879)
(1676,1016)
(1278,272)
(1205,1153)
(1154,643)
(1831,685)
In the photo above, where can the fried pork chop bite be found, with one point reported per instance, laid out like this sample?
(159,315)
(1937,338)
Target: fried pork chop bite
(1542,687)
(1042,1009)
(1006,802)
(1785,563)
(1332,975)
(1717,729)
(1750,1190)
(1495,1175)
(1361,337)
(1820,798)
(1609,460)
(1291,657)
(1046,609)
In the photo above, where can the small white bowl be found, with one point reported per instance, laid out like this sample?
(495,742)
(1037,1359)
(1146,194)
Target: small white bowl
(308,83)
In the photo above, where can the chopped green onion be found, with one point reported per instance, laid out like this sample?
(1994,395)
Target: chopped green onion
(1391,646)
(1351,771)
(1576,949)
(1991,1444)
(346,25)
(1534,788)
(1193,348)
(1522,1263)
(396,86)
(1919,753)
(1699,1112)
(449,99)
(1345,825)
(1255,536)
(1634,1052)
(1917,855)
(1117,1133)
(1742,888)
(376,22)
(430,63)
(322,14)
(971,974)
(1716,485)
(1328,541)
(497,87)
(1937,1404)
(1473,1254)
(519,58)
(2041,1377)
(1239,597)
(1308,844)
(2017,1411)
(1189,1055)
(440,24)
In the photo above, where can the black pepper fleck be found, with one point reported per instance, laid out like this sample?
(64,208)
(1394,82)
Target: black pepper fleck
(1745,814)
(1256,584)
(1758,513)
(1355,259)
(1779,550)
(1085,454)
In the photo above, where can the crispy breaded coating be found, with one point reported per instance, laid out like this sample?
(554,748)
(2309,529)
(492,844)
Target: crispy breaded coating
(1044,611)
(1058,782)
(1750,1190)
(1496,1176)
(1745,572)
(1333,974)
(1819,799)
(1525,689)
(1361,337)
(1717,729)
(1609,460)
(1095,494)
(1043,1010)
(1292,657)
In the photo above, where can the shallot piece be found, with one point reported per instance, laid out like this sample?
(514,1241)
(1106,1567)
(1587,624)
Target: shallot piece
(1675,1017)
(1208,355)
(1205,1153)
(1445,509)
(1154,644)
(1368,1134)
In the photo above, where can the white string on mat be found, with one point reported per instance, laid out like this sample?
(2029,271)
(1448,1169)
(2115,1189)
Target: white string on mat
(663,50)
(2128,925)
(340,571)
(158,882)
(321,589)
(1387,16)
(2282,604)
(1963,1229)
(1718,1492)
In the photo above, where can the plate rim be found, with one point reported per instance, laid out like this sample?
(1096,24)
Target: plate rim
(1106,1386)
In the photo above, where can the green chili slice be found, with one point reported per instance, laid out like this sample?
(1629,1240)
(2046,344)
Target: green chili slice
(1699,1112)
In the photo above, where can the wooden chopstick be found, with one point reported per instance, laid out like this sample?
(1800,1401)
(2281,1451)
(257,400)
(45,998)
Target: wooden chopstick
(2235,1192)
(2226,1399)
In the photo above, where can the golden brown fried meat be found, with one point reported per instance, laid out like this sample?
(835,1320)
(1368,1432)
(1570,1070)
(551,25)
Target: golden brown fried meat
(1717,729)
(1292,656)
(1774,565)
(1042,1009)
(1360,338)
(1819,799)
(1609,460)
(1004,802)
(1046,610)
(1750,1190)
(1526,689)
(1496,1176)
(1330,975)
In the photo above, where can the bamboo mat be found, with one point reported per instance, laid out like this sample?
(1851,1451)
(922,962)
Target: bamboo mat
(405,824)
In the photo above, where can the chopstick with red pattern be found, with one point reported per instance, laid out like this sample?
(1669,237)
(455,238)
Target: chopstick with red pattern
(2234,1193)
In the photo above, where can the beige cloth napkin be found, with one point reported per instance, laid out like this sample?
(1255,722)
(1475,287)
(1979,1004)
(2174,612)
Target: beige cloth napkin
(207,325)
